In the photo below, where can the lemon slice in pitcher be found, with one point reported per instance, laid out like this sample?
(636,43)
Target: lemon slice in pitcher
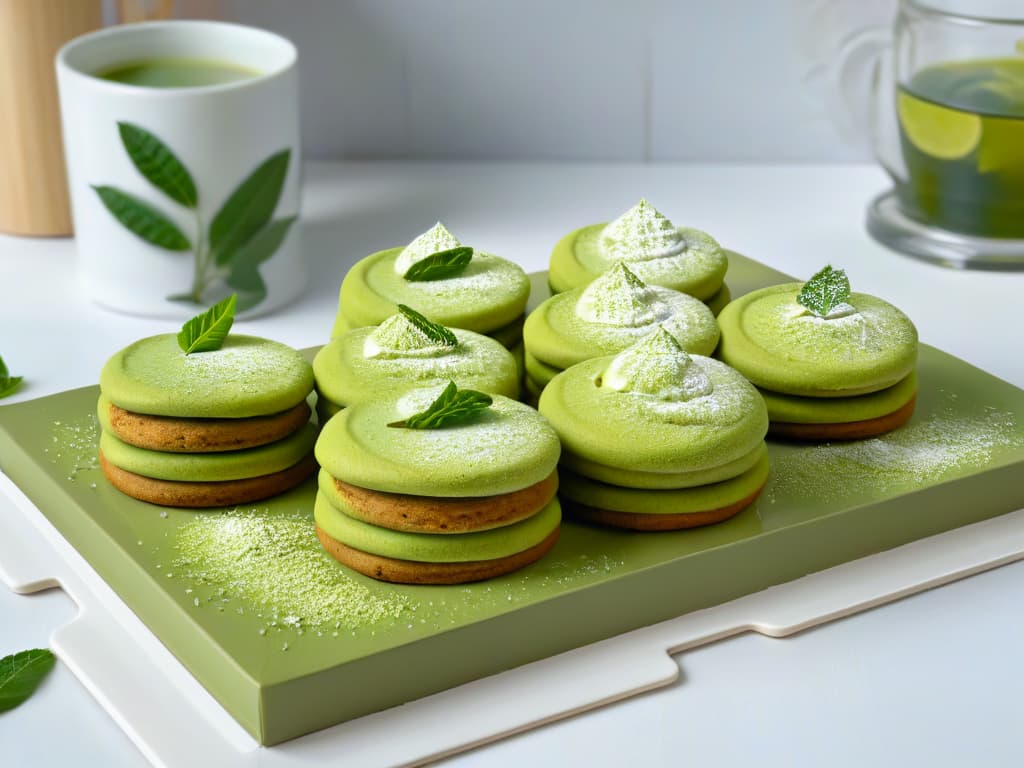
(938,131)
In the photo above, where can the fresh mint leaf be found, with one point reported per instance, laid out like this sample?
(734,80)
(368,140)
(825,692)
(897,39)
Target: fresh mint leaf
(143,220)
(438,266)
(436,332)
(826,291)
(453,406)
(158,164)
(249,208)
(206,332)
(20,675)
(8,383)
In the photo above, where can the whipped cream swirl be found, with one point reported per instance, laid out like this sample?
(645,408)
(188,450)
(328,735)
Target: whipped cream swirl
(618,297)
(641,234)
(658,367)
(434,240)
(398,337)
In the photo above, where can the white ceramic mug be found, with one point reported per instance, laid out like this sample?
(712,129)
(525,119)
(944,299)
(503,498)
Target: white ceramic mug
(183,195)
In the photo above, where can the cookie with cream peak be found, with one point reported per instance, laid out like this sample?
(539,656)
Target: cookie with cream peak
(408,351)
(676,439)
(451,284)
(656,250)
(606,316)
(831,363)
(439,502)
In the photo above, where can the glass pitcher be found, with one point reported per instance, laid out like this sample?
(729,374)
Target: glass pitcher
(945,113)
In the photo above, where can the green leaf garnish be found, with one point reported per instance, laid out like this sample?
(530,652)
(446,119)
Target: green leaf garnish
(436,332)
(159,164)
(206,332)
(143,220)
(8,383)
(453,406)
(825,291)
(249,207)
(20,675)
(438,266)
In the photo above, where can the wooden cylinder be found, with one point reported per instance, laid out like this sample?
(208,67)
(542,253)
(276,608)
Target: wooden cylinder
(33,186)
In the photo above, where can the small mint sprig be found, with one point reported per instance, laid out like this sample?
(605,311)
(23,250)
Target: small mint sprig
(440,265)
(206,332)
(453,406)
(8,383)
(20,675)
(436,332)
(827,290)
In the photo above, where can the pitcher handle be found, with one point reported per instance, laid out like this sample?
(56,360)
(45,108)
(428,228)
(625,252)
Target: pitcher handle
(860,79)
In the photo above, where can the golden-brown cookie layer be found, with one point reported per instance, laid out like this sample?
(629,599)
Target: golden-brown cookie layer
(183,435)
(433,514)
(410,572)
(223,493)
(640,521)
(853,430)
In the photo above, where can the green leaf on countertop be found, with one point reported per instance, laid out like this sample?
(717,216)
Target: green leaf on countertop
(159,164)
(249,208)
(20,675)
(826,291)
(206,332)
(8,383)
(436,332)
(143,220)
(440,265)
(452,406)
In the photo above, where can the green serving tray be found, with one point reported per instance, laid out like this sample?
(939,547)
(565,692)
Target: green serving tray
(959,460)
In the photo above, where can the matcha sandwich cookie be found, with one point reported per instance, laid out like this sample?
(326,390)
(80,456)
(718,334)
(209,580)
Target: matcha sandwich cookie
(614,311)
(206,419)
(437,485)
(404,352)
(831,364)
(451,284)
(657,439)
(656,250)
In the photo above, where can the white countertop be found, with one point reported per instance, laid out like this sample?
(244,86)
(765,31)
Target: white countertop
(932,679)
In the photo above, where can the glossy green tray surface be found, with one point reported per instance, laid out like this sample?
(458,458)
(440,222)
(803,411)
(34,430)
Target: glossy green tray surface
(282,673)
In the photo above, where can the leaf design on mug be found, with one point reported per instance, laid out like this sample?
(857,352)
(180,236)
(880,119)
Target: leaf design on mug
(143,220)
(244,276)
(249,207)
(241,236)
(159,164)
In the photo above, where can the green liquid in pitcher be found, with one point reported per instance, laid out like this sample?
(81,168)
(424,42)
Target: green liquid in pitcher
(962,133)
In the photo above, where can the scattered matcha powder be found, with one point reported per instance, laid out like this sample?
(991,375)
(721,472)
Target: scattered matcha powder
(73,444)
(944,444)
(274,563)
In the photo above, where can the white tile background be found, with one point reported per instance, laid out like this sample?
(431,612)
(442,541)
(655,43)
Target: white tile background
(574,80)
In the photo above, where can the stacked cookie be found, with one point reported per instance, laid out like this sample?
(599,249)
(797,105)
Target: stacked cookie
(448,282)
(205,429)
(407,351)
(437,486)
(658,252)
(831,364)
(613,312)
(656,439)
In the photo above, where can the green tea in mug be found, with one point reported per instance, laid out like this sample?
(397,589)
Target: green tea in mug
(962,136)
(177,73)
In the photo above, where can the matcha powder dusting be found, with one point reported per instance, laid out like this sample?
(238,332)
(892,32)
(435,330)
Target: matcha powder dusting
(273,565)
(946,443)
